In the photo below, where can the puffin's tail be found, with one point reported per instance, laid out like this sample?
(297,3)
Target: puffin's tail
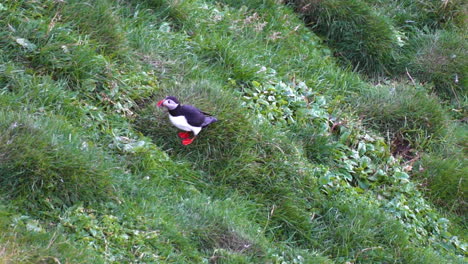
(209,120)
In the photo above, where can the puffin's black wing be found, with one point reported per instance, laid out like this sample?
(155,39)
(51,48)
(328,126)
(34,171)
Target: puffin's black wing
(209,120)
(193,115)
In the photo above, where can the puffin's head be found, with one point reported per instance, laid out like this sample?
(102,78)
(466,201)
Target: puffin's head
(169,102)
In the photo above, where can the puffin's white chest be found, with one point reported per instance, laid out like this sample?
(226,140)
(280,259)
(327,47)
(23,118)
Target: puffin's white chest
(181,123)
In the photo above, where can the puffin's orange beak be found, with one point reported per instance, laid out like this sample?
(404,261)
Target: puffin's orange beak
(160,103)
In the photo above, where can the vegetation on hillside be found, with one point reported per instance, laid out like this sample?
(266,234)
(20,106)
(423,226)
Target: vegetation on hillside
(426,39)
(309,163)
(423,42)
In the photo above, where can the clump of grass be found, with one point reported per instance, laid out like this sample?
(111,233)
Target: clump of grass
(44,164)
(254,4)
(438,14)
(443,171)
(98,20)
(173,10)
(53,47)
(411,15)
(416,122)
(219,50)
(356,33)
(365,235)
(442,58)
(404,111)
(80,65)
(317,148)
(444,179)
(221,226)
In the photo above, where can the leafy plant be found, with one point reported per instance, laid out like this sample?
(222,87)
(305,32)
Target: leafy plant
(363,163)
(24,239)
(277,102)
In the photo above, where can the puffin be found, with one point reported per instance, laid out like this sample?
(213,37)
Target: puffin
(186,117)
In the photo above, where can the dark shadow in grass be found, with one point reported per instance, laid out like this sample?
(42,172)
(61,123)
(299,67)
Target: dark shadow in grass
(221,237)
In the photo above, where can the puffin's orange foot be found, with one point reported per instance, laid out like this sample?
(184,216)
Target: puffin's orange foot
(184,135)
(187,141)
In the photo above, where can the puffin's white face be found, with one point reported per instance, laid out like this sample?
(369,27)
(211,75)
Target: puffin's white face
(168,103)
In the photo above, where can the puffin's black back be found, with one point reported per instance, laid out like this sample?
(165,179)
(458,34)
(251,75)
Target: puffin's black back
(194,116)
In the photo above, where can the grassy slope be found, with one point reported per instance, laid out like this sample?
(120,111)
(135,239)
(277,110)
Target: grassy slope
(397,38)
(242,193)
(423,43)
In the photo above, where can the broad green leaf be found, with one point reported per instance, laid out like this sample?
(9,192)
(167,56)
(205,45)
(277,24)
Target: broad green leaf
(403,176)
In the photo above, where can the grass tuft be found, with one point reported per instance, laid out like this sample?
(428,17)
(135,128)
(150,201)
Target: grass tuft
(354,31)
(44,164)
(442,58)
(445,181)
(406,112)
(98,20)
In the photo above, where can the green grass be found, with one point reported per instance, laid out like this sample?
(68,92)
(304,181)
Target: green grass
(420,130)
(425,39)
(404,111)
(30,242)
(45,165)
(446,182)
(443,172)
(99,21)
(102,169)
(355,32)
(352,223)
(191,91)
(441,58)
(420,14)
